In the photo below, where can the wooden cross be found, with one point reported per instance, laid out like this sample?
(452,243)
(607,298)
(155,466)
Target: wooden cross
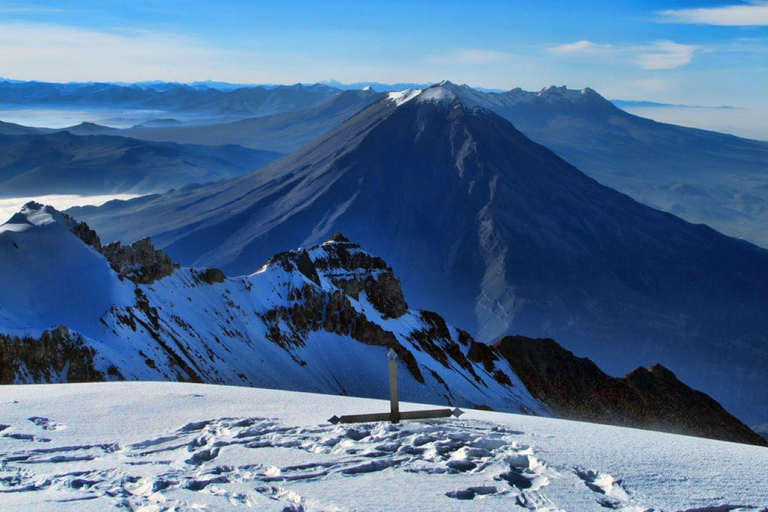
(394,415)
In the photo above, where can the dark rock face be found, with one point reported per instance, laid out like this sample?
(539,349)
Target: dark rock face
(210,275)
(296,260)
(87,235)
(648,398)
(56,355)
(139,262)
(354,270)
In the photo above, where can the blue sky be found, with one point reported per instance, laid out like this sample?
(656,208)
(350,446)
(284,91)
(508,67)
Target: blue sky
(692,52)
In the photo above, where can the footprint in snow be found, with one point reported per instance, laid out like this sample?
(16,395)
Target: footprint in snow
(614,495)
(45,423)
(189,460)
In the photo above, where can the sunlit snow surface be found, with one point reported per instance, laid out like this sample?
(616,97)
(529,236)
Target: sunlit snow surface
(163,446)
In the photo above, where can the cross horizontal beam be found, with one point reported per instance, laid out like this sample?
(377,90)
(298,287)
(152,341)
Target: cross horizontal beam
(424,414)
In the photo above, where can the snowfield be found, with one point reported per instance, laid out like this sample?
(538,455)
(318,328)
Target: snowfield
(171,446)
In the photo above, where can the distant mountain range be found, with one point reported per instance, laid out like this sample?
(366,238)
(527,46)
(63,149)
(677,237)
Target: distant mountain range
(494,231)
(317,319)
(247,101)
(704,177)
(63,163)
(282,132)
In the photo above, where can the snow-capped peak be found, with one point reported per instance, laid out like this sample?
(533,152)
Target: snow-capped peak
(400,97)
(34,214)
(438,94)
(366,88)
(563,93)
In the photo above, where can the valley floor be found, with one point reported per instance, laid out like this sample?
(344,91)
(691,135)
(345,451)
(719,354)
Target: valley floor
(159,446)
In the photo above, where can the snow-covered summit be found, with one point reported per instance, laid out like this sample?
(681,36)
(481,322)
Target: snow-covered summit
(46,260)
(448,94)
(437,94)
(552,95)
(34,214)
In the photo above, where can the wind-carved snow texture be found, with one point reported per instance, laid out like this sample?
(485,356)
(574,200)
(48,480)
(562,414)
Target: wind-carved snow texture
(227,459)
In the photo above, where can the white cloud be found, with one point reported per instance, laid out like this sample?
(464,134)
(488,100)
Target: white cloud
(749,15)
(580,47)
(656,55)
(463,56)
(40,51)
(61,53)
(666,55)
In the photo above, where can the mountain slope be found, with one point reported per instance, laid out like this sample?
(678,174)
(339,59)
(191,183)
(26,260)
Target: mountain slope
(651,398)
(309,320)
(702,176)
(59,163)
(498,234)
(282,132)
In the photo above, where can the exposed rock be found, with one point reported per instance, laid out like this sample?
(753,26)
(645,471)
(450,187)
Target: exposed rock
(210,275)
(56,356)
(296,260)
(649,398)
(139,262)
(86,234)
(386,295)
(338,237)
(344,261)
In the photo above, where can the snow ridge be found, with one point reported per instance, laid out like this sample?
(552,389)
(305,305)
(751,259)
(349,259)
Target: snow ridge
(302,322)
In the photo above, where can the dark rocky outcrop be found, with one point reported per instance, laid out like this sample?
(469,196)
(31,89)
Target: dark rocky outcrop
(57,355)
(296,260)
(139,262)
(86,234)
(210,275)
(354,270)
(648,398)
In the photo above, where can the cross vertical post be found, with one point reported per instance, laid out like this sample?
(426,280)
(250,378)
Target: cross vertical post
(394,415)
(394,401)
